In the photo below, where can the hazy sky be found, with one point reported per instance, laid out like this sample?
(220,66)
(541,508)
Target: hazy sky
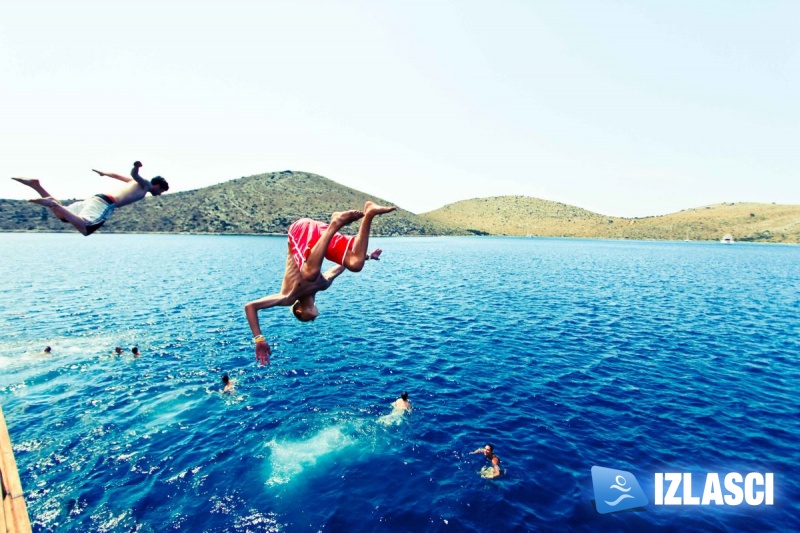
(626,108)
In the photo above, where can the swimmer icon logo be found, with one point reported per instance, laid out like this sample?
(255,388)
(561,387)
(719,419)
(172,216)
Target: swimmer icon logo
(616,490)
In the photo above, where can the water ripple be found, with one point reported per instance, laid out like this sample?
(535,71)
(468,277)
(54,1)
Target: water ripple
(564,354)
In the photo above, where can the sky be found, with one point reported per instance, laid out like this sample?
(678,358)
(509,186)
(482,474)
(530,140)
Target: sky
(625,108)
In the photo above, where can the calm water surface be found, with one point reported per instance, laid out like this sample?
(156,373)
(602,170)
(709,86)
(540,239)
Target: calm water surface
(564,354)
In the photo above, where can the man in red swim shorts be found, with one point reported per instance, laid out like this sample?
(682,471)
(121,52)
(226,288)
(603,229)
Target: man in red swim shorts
(310,242)
(87,216)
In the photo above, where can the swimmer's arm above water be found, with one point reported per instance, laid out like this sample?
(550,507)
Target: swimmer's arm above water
(251,311)
(496,471)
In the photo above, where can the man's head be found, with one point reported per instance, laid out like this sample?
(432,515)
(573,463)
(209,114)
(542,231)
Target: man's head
(118,349)
(404,396)
(305,310)
(488,450)
(158,185)
(47,349)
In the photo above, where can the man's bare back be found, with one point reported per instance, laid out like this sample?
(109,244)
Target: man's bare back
(129,193)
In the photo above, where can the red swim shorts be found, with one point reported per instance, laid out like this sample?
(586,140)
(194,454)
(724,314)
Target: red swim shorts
(305,233)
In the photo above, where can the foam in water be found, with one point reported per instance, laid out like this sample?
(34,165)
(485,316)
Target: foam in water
(290,458)
(392,419)
(19,353)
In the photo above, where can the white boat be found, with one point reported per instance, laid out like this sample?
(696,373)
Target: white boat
(727,239)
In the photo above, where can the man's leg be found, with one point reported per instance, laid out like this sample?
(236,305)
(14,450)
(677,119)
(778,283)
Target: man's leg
(47,200)
(63,213)
(35,185)
(313,265)
(354,259)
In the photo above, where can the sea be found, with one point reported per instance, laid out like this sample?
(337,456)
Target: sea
(648,358)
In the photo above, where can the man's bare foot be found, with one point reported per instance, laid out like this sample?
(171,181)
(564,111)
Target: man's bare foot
(372,209)
(47,202)
(343,218)
(30,182)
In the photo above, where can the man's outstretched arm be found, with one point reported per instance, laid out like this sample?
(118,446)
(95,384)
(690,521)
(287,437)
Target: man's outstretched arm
(251,311)
(112,175)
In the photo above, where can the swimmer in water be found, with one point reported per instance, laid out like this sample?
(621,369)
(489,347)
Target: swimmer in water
(400,407)
(488,452)
(227,384)
(402,404)
(87,216)
(310,242)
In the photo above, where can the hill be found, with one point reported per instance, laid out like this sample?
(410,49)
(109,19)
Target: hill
(269,203)
(262,204)
(519,215)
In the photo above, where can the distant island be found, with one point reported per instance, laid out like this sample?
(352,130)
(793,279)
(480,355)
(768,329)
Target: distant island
(269,203)
(525,216)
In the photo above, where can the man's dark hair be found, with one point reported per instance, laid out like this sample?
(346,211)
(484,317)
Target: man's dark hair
(404,396)
(161,182)
(296,312)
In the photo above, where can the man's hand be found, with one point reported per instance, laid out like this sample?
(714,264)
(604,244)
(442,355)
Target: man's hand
(143,183)
(135,170)
(376,254)
(263,352)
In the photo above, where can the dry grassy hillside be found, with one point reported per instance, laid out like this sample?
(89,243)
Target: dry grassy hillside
(269,203)
(744,221)
(518,215)
(262,204)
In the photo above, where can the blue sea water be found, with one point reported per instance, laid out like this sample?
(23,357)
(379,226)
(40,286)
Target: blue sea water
(564,354)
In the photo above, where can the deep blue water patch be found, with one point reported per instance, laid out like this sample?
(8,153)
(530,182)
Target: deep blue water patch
(564,354)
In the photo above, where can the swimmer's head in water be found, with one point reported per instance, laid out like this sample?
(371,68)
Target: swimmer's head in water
(404,396)
(303,313)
